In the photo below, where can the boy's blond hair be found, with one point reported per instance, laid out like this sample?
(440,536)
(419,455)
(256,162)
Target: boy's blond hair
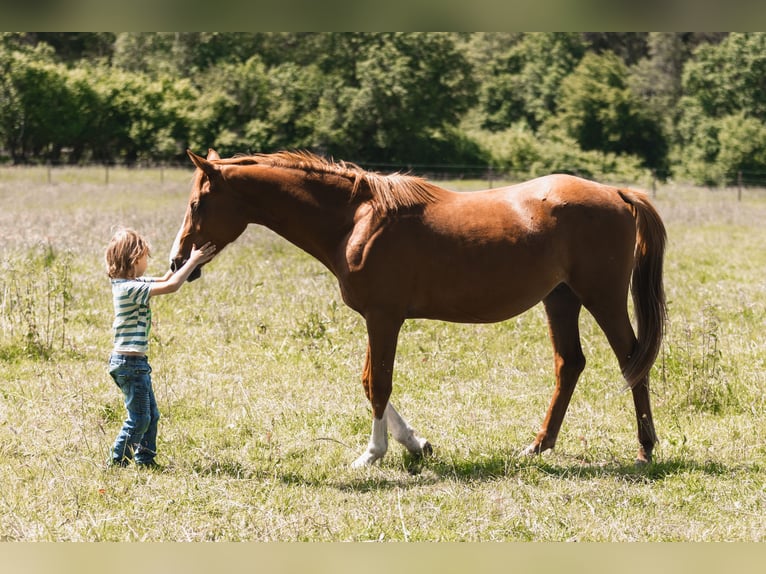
(123,252)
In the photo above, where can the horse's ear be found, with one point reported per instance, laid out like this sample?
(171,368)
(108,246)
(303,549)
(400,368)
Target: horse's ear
(212,154)
(208,168)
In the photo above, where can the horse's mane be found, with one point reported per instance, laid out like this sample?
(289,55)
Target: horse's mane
(389,192)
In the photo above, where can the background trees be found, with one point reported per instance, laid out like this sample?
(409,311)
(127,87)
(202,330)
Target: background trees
(600,111)
(681,104)
(722,111)
(397,100)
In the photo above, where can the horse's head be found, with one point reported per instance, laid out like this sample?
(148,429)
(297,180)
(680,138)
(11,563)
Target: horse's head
(212,213)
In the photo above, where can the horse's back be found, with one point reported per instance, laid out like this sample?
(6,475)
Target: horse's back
(533,212)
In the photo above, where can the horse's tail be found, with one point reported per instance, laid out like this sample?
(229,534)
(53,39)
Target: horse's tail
(646,286)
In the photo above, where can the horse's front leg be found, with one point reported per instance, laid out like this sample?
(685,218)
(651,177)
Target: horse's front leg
(382,332)
(400,430)
(377,446)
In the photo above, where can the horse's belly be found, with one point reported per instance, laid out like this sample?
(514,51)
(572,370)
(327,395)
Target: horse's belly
(474,296)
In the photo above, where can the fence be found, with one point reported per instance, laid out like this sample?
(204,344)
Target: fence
(154,173)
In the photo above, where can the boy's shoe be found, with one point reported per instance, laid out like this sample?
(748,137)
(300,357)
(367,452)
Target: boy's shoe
(116,462)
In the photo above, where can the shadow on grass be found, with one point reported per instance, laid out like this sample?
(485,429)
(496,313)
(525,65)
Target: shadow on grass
(411,472)
(407,471)
(503,466)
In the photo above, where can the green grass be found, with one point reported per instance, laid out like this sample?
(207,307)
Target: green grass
(257,373)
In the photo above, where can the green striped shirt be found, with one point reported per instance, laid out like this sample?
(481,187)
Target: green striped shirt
(132,315)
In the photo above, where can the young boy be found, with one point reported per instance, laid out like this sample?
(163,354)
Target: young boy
(127,258)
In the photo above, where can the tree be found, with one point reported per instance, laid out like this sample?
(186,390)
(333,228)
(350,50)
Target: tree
(140,117)
(600,111)
(729,77)
(407,90)
(525,81)
(657,77)
(742,148)
(723,111)
(630,47)
(72,47)
(294,92)
(232,110)
(39,110)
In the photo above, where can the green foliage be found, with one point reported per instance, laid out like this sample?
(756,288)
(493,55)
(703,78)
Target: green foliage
(728,77)
(526,79)
(524,154)
(89,111)
(402,99)
(599,110)
(38,111)
(232,117)
(405,88)
(721,125)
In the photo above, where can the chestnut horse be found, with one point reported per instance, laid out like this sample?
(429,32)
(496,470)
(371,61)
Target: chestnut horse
(401,247)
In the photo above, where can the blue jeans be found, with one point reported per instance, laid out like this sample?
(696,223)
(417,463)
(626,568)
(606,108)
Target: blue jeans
(138,438)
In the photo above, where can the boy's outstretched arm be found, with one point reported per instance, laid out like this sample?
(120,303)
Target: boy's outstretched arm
(173,283)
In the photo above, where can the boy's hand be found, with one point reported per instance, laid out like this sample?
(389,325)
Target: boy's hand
(174,282)
(203,254)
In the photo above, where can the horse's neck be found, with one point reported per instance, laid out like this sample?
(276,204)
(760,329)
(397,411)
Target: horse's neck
(311,215)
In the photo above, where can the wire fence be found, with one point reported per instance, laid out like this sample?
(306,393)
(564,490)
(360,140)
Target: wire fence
(150,172)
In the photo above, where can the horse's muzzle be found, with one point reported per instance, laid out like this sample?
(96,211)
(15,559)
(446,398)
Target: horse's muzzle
(176,264)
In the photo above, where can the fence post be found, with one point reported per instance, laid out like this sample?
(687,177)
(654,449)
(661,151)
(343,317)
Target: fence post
(739,185)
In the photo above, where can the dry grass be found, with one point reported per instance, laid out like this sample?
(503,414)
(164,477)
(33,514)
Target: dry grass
(257,371)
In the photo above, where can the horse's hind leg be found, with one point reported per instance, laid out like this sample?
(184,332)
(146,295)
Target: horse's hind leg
(612,316)
(563,309)
(405,434)
(647,437)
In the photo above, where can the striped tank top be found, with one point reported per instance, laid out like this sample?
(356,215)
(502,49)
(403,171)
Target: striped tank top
(132,315)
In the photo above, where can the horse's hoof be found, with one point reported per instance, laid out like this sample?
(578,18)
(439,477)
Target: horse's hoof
(367,459)
(643,458)
(531,450)
(427,449)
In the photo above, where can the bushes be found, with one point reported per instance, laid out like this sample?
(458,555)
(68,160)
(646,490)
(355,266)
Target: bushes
(51,113)
(522,153)
(529,103)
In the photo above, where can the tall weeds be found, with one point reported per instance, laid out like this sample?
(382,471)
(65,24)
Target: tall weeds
(35,295)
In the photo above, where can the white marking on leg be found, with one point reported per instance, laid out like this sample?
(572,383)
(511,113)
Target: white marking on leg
(377,446)
(403,432)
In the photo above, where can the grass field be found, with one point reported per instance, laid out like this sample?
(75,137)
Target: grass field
(257,373)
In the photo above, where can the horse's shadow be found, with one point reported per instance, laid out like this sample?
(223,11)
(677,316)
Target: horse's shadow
(412,472)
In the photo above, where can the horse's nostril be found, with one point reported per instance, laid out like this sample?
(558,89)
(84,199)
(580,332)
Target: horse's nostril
(176,264)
